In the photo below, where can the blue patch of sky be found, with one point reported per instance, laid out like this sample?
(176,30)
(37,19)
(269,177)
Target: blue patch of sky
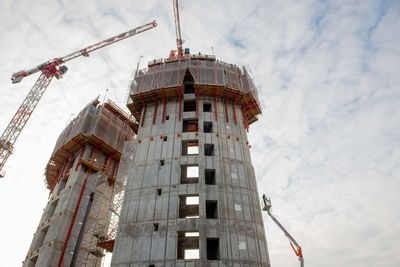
(235,41)
(366,35)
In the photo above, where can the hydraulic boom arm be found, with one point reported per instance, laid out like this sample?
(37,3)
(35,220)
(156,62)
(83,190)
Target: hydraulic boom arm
(295,246)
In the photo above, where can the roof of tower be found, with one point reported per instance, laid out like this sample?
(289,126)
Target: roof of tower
(104,126)
(163,78)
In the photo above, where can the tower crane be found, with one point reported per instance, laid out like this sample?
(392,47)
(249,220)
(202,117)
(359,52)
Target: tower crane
(295,246)
(49,69)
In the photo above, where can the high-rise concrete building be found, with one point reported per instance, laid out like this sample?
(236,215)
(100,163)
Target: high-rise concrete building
(191,196)
(79,222)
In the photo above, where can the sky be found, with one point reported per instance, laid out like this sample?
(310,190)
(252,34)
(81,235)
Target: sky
(326,148)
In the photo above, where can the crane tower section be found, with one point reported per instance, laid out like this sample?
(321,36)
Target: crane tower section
(48,69)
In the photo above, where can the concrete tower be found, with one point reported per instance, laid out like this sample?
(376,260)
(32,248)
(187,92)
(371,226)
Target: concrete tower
(191,197)
(78,224)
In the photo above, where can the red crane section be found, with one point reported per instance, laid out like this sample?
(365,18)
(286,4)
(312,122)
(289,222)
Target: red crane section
(49,69)
(179,41)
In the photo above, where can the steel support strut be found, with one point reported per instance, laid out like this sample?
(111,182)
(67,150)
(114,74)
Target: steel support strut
(20,118)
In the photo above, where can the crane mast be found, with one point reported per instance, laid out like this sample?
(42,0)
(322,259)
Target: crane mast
(179,41)
(293,243)
(49,69)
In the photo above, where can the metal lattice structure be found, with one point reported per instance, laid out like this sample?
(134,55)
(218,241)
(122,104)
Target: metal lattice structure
(49,69)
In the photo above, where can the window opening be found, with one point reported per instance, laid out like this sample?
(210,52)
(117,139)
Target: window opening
(161,162)
(61,185)
(211,209)
(192,200)
(52,208)
(190,147)
(41,237)
(189,234)
(209,175)
(208,126)
(189,87)
(189,174)
(212,248)
(189,105)
(155,227)
(188,83)
(188,206)
(165,138)
(209,149)
(242,245)
(159,191)
(207,107)
(188,246)
(167,117)
(191,125)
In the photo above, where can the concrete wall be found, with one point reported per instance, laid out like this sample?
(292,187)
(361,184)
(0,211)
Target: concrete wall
(48,241)
(238,226)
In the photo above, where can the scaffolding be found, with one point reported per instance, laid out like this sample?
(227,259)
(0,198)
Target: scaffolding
(105,128)
(163,79)
(98,140)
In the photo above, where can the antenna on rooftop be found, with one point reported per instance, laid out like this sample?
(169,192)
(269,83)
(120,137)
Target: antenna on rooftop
(105,95)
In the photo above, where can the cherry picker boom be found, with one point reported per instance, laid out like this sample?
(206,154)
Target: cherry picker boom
(48,69)
(293,243)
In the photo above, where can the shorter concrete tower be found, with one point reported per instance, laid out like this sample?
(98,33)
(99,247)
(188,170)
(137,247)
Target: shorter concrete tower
(78,224)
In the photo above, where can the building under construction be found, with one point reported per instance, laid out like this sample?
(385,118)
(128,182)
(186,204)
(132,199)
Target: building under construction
(80,220)
(191,196)
(180,162)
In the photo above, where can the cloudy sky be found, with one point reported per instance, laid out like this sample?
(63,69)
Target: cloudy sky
(326,149)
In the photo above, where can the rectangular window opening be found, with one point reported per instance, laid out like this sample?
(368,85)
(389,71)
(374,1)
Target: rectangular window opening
(189,105)
(189,174)
(212,249)
(159,191)
(165,138)
(190,234)
(188,245)
(189,88)
(207,107)
(208,126)
(209,175)
(61,185)
(191,125)
(41,237)
(161,162)
(192,254)
(188,206)
(167,117)
(211,209)
(52,208)
(208,149)
(190,147)
(155,227)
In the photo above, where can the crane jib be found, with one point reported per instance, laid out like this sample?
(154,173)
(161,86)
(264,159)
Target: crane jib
(49,69)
